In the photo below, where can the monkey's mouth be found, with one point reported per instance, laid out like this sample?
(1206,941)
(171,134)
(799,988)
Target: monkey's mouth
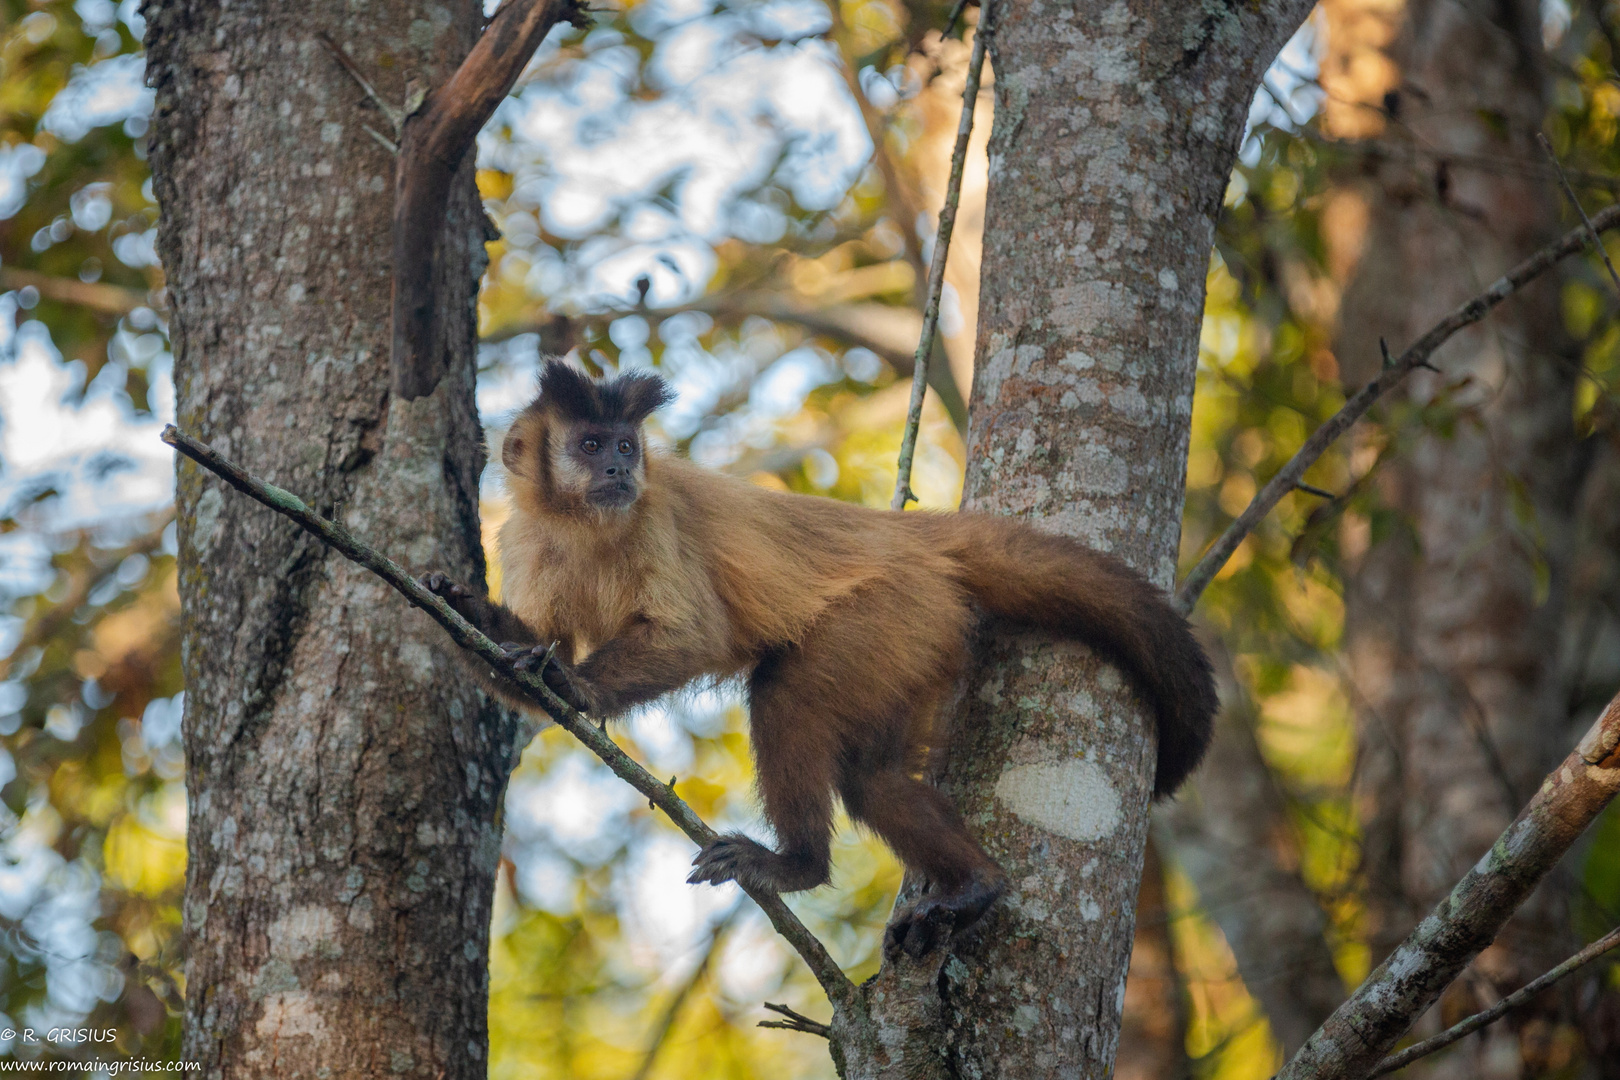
(613,496)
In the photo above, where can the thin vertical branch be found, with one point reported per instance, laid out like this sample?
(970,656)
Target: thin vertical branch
(936,270)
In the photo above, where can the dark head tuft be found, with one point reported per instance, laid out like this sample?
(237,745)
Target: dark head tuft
(628,398)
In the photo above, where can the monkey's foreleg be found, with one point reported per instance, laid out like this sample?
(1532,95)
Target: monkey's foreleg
(494,620)
(517,639)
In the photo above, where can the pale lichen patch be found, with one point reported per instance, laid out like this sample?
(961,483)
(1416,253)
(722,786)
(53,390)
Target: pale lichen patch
(287,1015)
(304,930)
(1073,799)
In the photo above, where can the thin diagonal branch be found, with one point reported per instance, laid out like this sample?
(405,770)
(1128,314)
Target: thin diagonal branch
(1356,1037)
(1394,373)
(464,634)
(936,270)
(666,1023)
(1569,193)
(1598,948)
(434,140)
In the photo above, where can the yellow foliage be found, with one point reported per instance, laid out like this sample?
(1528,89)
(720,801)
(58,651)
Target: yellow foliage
(143,861)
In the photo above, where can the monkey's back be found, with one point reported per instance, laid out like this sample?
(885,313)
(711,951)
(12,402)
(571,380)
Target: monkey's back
(780,561)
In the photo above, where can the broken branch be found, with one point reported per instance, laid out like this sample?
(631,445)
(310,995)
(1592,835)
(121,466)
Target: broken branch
(434,140)
(1395,372)
(832,979)
(796,1021)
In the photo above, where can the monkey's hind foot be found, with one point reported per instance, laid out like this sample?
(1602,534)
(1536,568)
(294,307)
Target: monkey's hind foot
(934,918)
(735,857)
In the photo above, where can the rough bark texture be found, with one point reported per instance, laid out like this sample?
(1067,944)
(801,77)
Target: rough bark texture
(1231,835)
(1451,612)
(1115,131)
(343,778)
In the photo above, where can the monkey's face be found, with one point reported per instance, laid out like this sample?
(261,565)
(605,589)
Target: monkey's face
(601,463)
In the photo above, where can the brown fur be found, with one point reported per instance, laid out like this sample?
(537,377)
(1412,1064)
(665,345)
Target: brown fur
(845,622)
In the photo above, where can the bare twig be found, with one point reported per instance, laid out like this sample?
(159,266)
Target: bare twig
(1395,371)
(1356,1037)
(1598,948)
(838,987)
(796,1021)
(1569,192)
(936,270)
(434,138)
(395,115)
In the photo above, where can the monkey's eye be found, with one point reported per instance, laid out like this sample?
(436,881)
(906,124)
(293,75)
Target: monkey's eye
(590,446)
(625,446)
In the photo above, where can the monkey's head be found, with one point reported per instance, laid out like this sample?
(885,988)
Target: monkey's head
(579,446)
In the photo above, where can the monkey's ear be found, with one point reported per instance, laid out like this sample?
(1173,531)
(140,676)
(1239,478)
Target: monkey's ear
(642,394)
(569,391)
(513,451)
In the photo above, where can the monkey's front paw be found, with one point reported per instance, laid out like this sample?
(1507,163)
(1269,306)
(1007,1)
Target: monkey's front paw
(933,919)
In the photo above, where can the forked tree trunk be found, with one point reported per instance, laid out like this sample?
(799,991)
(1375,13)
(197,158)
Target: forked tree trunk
(1116,128)
(343,778)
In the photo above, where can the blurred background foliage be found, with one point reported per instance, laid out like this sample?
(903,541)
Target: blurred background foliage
(742,194)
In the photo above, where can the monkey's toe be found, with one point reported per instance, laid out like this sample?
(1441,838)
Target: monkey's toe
(721,861)
(932,920)
(524,657)
(442,585)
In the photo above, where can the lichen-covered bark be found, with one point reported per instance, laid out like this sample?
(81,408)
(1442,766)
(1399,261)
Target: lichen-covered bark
(343,777)
(1116,126)
(1453,613)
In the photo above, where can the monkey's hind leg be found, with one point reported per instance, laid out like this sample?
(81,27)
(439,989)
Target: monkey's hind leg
(794,755)
(924,830)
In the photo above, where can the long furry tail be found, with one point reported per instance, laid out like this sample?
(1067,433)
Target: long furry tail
(1061,585)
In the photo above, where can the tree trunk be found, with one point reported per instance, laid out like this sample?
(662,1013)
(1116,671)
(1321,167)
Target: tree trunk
(1452,610)
(1233,838)
(1115,131)
(343,778)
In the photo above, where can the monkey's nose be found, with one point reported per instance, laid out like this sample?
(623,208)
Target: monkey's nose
(611,470)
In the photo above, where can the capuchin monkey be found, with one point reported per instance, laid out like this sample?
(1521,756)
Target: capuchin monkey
(848,626)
